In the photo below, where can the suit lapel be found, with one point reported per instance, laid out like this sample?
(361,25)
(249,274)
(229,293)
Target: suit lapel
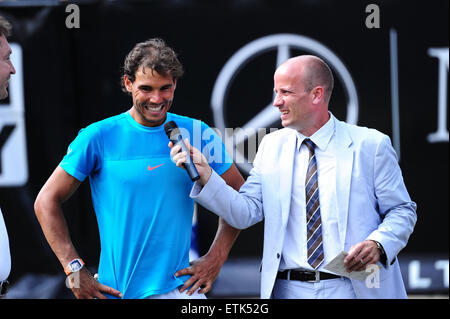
(286,162)
(344,165)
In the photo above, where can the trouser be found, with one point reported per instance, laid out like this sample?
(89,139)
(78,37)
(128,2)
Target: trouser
(176,294)
(339,288)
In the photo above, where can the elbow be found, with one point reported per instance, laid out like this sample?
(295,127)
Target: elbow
(243,221)
(38,205)
(412,214)
(42,201)
(240,226)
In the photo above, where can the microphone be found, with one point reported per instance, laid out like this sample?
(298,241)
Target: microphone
(174,135)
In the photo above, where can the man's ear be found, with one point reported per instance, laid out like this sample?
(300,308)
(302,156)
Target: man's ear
(128,83)
(317,94)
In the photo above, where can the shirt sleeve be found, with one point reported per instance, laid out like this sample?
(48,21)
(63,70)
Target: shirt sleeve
(83,154)
(396,208)
(214,150)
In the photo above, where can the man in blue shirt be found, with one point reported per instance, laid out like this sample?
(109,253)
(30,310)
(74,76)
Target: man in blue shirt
(140,198)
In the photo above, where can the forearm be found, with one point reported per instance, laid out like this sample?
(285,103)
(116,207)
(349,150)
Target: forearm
(224,240)
(393,233)
(54,227)
(226,235)
(239,209)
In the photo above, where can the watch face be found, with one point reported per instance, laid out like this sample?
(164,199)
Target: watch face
(75,265)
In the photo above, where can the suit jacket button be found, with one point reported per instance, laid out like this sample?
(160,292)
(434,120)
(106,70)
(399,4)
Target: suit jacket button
(278,256)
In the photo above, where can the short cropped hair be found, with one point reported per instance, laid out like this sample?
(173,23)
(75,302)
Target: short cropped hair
(5,27)
(318,73)
(153,54)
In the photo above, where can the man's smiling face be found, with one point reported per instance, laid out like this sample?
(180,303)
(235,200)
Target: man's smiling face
(152,95)
(6,67)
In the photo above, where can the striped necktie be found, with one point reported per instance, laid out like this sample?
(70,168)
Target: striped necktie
(313,220)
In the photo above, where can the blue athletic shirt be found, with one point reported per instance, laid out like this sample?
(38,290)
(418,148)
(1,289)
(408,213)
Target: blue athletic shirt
(141,198)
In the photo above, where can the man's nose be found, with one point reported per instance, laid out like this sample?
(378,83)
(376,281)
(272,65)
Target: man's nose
(277,101)
(13,69)
(156,98)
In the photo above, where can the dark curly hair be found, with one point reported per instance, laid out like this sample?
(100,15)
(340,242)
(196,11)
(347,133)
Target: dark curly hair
(153,54)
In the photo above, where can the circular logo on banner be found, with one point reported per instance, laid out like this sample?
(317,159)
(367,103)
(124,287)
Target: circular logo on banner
(282,44)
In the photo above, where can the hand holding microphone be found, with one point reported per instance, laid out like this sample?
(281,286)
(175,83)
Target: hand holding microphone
(183,153)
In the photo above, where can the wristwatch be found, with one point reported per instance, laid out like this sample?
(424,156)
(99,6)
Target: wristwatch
(379,247)
(382,252)
(74,266)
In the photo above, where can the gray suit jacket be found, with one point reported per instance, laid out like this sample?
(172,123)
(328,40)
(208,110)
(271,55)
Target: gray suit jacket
(373,202)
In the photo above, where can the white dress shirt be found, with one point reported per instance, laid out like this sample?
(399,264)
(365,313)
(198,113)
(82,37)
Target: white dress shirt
(294,253)
(5,256)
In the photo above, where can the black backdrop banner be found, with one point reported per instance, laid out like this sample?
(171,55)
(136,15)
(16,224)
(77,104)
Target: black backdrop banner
(390,59)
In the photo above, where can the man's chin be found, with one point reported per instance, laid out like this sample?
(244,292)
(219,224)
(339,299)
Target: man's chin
(287,124)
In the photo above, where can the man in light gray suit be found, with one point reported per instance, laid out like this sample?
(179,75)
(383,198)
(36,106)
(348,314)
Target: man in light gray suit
(322,186)
(6,70)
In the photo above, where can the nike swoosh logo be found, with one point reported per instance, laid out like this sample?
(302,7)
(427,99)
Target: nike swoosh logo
(152,168)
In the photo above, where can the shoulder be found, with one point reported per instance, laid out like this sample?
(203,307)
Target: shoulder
(195,128)
(93,135)
(108,123)
(274,142)
(280,134)
(188,125)
(361,134)
(182,120)
(103,127)
(367,142)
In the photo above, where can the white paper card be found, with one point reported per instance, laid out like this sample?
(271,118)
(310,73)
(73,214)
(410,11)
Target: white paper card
(336,266)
